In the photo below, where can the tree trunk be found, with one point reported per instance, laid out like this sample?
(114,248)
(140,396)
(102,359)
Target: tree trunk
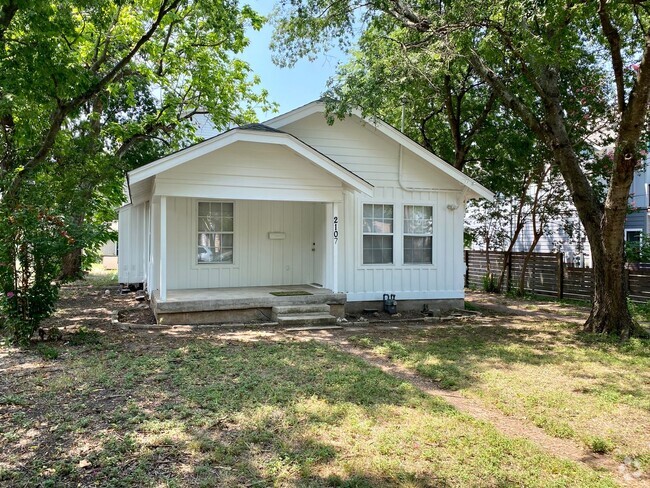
(71,266)
(609,313)
(522,277)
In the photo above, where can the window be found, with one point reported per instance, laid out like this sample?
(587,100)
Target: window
(215,232)
(633,236)
(634,243)
(377,234)
(418,230)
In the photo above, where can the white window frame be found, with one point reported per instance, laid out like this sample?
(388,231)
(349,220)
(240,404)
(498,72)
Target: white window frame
(405,234)
(195,264)
(634,230)
(393,235)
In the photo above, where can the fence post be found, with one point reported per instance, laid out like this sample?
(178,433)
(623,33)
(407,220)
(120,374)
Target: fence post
(508,271)
(560,275)
(466,268)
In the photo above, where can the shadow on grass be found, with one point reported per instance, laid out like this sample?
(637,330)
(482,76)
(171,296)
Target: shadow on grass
(454,356)
(236,414)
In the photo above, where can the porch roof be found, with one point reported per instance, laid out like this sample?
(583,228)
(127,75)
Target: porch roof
(140,180)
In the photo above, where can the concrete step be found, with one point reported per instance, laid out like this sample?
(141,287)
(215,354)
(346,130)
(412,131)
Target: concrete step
(286,310)
(306,320)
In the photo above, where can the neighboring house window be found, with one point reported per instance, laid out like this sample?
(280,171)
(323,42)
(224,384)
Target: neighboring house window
(215,234)
(418,234)
(633,236)
(377,234)
(634,240)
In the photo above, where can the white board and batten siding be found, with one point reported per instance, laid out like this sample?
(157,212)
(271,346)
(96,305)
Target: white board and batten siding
(133,242)
(373,156)
(257,259)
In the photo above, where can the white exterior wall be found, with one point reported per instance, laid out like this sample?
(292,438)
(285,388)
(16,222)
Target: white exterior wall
(247,170)
(132,241)
(258,260)
(374,157)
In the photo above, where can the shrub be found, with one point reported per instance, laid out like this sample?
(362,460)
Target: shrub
(600,445)
(46,351)
(490,283)
(30,243)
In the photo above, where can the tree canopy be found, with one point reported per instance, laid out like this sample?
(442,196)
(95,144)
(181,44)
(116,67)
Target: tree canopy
(89,90)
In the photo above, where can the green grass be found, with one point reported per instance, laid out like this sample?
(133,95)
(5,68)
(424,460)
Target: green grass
(158,411)
(572,385)
(99,277)
(46,351)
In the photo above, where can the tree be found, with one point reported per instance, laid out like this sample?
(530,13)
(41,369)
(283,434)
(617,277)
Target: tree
(87,91)
(443,105)
(576,74)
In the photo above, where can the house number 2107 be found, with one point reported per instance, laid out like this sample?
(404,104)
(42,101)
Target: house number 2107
(336,230)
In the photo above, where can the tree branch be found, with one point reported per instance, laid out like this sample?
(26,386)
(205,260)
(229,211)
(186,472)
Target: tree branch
(64,109)
(508,98)
(614,41)
(480,121)
(7,13)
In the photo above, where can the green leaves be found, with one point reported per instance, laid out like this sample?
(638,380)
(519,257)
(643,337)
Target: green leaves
(89,90)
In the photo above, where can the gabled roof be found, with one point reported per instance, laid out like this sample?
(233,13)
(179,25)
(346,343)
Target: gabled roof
(251,133)
(474,188)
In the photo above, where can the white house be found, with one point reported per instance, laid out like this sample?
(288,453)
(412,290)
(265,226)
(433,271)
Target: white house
(333,214)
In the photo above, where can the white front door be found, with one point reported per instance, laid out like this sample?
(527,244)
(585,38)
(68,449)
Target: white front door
(318,243)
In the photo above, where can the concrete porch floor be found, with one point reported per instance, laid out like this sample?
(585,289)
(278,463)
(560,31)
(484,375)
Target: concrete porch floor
(239,304)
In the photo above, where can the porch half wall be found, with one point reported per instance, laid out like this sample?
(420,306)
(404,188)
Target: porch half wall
(258,260)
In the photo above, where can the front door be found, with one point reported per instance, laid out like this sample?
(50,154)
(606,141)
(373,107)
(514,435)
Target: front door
(318,243)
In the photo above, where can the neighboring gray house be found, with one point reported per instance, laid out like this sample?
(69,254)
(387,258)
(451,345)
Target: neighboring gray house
(638,222)
(576,246)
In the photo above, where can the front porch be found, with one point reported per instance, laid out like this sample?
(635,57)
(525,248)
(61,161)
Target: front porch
(239,304)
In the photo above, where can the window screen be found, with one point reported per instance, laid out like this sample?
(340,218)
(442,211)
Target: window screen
(418,234)
(377,234)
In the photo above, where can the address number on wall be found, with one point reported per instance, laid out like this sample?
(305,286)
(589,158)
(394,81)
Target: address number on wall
(336,230)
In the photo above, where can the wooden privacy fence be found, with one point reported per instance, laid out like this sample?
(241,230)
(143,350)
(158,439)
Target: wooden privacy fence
(547,274)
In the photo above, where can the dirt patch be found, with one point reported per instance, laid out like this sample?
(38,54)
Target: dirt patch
(141,315)
(90,307)
(531,310)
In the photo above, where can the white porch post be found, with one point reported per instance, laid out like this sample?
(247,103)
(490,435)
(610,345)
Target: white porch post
(335,249)
(163,248)
(332,246)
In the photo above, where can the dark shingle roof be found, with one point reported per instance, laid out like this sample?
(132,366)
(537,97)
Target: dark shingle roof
(259,127)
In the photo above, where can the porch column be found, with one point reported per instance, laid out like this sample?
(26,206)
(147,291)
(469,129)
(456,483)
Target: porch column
(332,246)
(163,248)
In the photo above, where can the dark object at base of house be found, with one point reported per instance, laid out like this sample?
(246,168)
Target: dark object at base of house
(390,304)
(130,287)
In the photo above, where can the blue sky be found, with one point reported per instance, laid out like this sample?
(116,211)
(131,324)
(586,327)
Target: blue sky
(289,87)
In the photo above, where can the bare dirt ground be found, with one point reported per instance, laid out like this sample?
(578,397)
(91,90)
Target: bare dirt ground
(92,308)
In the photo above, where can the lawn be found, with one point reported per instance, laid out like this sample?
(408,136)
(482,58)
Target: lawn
(541,370)
(154,409)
